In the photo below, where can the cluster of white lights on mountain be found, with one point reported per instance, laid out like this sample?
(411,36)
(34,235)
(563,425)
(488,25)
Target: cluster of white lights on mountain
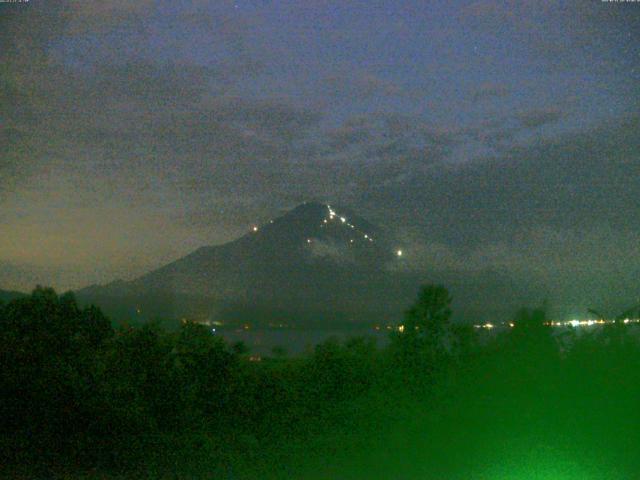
(333,215)
(343,220)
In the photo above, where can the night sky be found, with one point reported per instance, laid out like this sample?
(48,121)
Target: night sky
(488,136)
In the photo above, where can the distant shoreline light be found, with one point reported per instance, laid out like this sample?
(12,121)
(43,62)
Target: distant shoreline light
(569,323)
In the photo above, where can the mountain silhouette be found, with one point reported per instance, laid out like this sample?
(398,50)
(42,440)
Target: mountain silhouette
(8,295)
(316,264)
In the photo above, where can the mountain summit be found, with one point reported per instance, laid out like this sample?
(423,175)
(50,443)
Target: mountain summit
(316,260)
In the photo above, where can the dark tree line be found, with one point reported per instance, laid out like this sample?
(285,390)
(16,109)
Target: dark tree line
(77,395)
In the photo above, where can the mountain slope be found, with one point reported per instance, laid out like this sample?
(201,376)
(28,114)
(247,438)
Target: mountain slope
(7,295)
(317,263)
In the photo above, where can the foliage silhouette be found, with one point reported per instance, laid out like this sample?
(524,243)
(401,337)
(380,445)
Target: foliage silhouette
(440,401)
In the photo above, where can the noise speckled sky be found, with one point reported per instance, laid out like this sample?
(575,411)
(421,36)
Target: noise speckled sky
(488,136)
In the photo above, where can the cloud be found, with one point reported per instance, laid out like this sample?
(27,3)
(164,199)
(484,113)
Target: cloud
(539,117)
(574,268)
(175,128)
(93,116)
(587,266)
(94,15)
(367,85)
(578,178)
(489,90)
(560,37)
(384,136)
(363,85)
(327,249)
(102,151)
(490,13)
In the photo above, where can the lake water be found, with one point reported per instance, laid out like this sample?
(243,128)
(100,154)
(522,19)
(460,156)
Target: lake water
(295,342)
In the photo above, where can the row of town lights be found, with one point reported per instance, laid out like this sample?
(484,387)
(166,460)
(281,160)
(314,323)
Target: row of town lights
(569,323)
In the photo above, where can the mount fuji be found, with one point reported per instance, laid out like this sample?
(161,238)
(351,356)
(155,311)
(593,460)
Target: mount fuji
(316,265)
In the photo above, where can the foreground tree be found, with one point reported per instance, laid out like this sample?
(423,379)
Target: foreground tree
(429,317)
(47,347)
(420,343)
